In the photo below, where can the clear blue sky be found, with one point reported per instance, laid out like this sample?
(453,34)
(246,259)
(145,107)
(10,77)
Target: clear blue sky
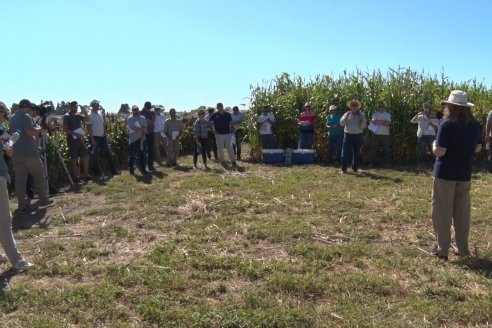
(188,53)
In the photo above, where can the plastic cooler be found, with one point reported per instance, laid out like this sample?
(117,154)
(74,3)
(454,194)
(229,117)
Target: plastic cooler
(303,156)
(271,156)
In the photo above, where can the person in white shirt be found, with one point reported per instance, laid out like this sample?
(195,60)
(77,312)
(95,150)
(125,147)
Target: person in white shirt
(97,134)
(426,132)
(380,139)
(266,122)
(487,141)
(237,119)
(160,137)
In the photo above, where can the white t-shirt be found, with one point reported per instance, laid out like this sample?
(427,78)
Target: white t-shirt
(489,120)
(266,127)
(159,123)
(424,128)
(382,129)
(96,121)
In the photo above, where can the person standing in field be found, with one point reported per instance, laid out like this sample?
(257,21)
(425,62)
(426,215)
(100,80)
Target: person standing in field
(212,144)
(137,126)
(221,122)
(160,138)
(149,138)
(487,140)
(97,133)
(426,133)
(380,127)
(73,128)
(335,135)
(354,123)
(458,139)
(7,240)
(266,123)
(173,128)
(306,121)
(201,127)
(237,120)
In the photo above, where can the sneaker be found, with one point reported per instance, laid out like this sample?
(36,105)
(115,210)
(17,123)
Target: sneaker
(22,265)
(3,259)
(24,210)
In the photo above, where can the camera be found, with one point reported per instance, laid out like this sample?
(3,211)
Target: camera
(44,109)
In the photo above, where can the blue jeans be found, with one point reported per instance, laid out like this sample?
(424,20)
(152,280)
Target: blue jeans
(335,146)
(306,140)
(352,143)
(425,142)
(102,144)
(136,149)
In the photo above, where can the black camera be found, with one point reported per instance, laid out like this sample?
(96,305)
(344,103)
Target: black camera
(44,109)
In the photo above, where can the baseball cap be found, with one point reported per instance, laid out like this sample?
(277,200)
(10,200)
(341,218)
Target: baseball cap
(25,103)
(95,101)
(135,107)
(332,107)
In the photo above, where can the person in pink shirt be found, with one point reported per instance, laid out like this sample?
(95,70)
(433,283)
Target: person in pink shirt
(306,121)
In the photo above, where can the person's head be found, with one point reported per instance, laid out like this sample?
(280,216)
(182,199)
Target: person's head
(95,105)
(235,109)
(135,110)
(458,107)
(354,105)
(381,107)
(220,108)
(332,109)
(172,113)
(27,107)
(158,110)
(147,105)
(73,106)
(307,106)
(4,112)
(201,114)
(426,109)
(266,110)
(211,110)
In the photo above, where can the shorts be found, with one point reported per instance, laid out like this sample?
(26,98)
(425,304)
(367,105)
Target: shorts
(76,148)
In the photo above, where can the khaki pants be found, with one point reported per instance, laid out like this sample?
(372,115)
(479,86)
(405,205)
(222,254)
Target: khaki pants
(173,147)
(6,236)
(23,166)
(451,206)
(158,141)
(224,140)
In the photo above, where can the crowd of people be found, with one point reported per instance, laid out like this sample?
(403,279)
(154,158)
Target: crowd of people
(453,138)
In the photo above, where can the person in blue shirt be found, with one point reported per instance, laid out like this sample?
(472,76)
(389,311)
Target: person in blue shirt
(237,120)
(459,137)
(335,135)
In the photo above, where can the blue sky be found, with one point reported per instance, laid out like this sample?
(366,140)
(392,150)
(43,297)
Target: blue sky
(188,53)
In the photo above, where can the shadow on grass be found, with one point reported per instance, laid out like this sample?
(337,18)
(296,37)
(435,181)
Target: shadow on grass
(480,265)
(183,168)
(5,277)
(28,220)
(377,176)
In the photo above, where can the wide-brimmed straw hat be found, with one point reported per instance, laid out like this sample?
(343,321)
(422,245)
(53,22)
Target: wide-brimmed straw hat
(354,102)
(458,97)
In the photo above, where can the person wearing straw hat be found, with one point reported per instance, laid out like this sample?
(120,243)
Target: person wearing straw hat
(458,139)
(354,122)
(6,236)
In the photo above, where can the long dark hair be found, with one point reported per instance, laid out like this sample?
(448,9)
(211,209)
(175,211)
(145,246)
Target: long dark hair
(460,114)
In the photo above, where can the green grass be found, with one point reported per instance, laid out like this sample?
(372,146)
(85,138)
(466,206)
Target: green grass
(258,246)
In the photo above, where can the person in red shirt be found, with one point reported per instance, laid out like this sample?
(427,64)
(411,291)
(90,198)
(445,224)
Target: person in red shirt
(306,121)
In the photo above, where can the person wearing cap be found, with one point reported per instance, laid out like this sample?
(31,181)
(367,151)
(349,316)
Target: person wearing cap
(487,140)
(137,127)
(306,122)
(354,122)
(25,156)
(212,144)
(458,139)
(335,135)
(200,130)
(221,123)
(426,133)
(265,123)
(173,128)
(149,138)
(73,128)
(6,236)
(160,138)
(237,120)
(97,133)
(380,138)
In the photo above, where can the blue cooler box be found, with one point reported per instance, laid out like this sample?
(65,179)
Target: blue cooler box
(303,156)
(272,156)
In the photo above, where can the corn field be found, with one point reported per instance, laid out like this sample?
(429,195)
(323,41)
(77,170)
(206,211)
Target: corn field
(403,91)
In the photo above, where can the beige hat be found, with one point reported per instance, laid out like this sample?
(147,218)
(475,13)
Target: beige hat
(332,107)
(354,103)
(458,97)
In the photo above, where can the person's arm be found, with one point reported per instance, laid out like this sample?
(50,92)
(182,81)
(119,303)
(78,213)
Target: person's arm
(440,145)
(415,119)
(363,121)
(33,131)
(488,127)
(344,119)
(89,130)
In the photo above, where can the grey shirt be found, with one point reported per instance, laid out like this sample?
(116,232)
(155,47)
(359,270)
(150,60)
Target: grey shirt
(351,125)
(25,146)
(171,126)
(135,122)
